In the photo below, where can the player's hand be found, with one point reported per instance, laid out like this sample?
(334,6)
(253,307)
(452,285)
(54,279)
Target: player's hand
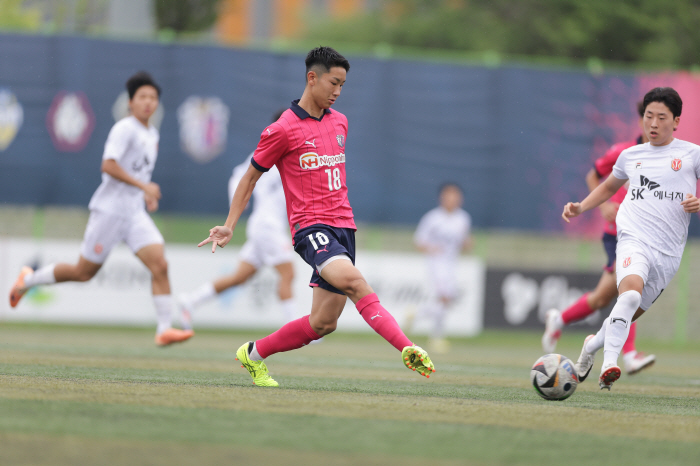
(153,190)
(218,236)
(151,203)
(691,204)
(572,209)
(609,210)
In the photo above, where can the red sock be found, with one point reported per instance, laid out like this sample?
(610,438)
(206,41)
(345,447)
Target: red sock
(382,322)
(291,336)
(577,311)
(629,344)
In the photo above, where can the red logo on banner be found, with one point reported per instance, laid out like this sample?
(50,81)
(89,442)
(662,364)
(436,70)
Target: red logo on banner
(70,121)
(676,164)
(627,262)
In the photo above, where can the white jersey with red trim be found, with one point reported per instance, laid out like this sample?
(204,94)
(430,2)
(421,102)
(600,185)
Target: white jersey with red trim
(135,148)
(660,178)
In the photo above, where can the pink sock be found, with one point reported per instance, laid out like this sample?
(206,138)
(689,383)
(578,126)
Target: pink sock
(381,321)
(629,344)
(291,336)
(577,311)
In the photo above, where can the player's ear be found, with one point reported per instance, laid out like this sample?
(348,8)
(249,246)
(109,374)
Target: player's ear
(675,122)
(311,77)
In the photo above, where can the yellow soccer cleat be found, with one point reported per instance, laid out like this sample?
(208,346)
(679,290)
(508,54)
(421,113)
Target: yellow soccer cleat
(257,369)
(417,359)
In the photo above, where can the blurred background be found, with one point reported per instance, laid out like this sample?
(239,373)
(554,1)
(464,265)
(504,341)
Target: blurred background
(513,101)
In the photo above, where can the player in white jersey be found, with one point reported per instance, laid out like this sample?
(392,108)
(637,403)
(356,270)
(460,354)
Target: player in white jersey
(267,244)
(652,223)
(118,211)
(442,234)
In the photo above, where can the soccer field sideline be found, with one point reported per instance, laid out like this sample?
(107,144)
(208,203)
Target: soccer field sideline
(109,393)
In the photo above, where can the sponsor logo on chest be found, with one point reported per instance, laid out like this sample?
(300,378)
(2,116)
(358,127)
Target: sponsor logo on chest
(311,160)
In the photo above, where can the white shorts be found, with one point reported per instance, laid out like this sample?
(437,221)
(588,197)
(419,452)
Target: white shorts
(656,268)
(104,231)
(267,246)
(443,275)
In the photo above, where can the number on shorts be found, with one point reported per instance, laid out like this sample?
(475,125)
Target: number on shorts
(323,239)
(333,179)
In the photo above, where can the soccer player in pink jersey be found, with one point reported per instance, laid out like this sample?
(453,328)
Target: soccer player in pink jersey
(606,290)
(307,144)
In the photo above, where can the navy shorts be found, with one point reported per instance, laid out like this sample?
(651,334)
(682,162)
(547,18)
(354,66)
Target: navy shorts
(318,243)
(610,245)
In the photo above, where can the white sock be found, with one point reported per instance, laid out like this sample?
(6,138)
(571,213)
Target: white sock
(559,322)
(254,355)
(164,312)
(289,309)
(201,295)
(43,276)
(619,325)
(438,314)
(597,342)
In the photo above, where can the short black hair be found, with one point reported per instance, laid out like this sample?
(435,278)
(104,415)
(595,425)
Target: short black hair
(326,58)
(640,108)
(450,184)
(276,116)
(667,96)
(138,80)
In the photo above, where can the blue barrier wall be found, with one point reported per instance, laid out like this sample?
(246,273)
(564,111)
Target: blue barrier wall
(519,140)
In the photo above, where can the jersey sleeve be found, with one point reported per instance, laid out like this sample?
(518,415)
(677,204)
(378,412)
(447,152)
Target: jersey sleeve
(696,162)
(118,141)
(273,145)
(422,235)
(618,170)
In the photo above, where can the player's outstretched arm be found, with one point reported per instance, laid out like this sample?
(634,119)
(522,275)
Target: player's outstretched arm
(221,235)
(602,193)
(691,204)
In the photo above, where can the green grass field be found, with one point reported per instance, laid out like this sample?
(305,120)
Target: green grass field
(86,395)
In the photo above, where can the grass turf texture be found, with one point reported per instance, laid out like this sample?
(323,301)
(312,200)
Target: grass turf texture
(81,395)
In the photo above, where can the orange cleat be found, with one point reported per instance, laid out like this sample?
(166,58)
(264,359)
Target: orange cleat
(18,289)
(173,335)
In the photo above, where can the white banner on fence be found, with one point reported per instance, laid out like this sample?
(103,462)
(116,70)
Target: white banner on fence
(121,291)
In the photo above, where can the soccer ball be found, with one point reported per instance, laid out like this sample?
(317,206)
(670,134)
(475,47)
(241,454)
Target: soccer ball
(554,377)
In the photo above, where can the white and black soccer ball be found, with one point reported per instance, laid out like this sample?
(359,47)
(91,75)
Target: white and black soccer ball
(554,377)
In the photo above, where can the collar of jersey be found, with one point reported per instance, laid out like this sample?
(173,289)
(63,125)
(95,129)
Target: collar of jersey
(303,114)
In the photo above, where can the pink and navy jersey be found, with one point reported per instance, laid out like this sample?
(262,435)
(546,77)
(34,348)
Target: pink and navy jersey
(604,166)
(310,156)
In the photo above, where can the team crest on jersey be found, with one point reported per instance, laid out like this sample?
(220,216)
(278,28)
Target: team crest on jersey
(70,121)
(341,140)
(11,117)
(120,109)
(676,164)
(203,127)
(627,262)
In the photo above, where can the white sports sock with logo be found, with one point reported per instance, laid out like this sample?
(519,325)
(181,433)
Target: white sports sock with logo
(199,296)
(164,311)
(43,276)
(618,327)
(289,309)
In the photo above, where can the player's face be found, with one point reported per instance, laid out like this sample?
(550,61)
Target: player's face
(659,123)
(326,87)
(451,198)
(144,103)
